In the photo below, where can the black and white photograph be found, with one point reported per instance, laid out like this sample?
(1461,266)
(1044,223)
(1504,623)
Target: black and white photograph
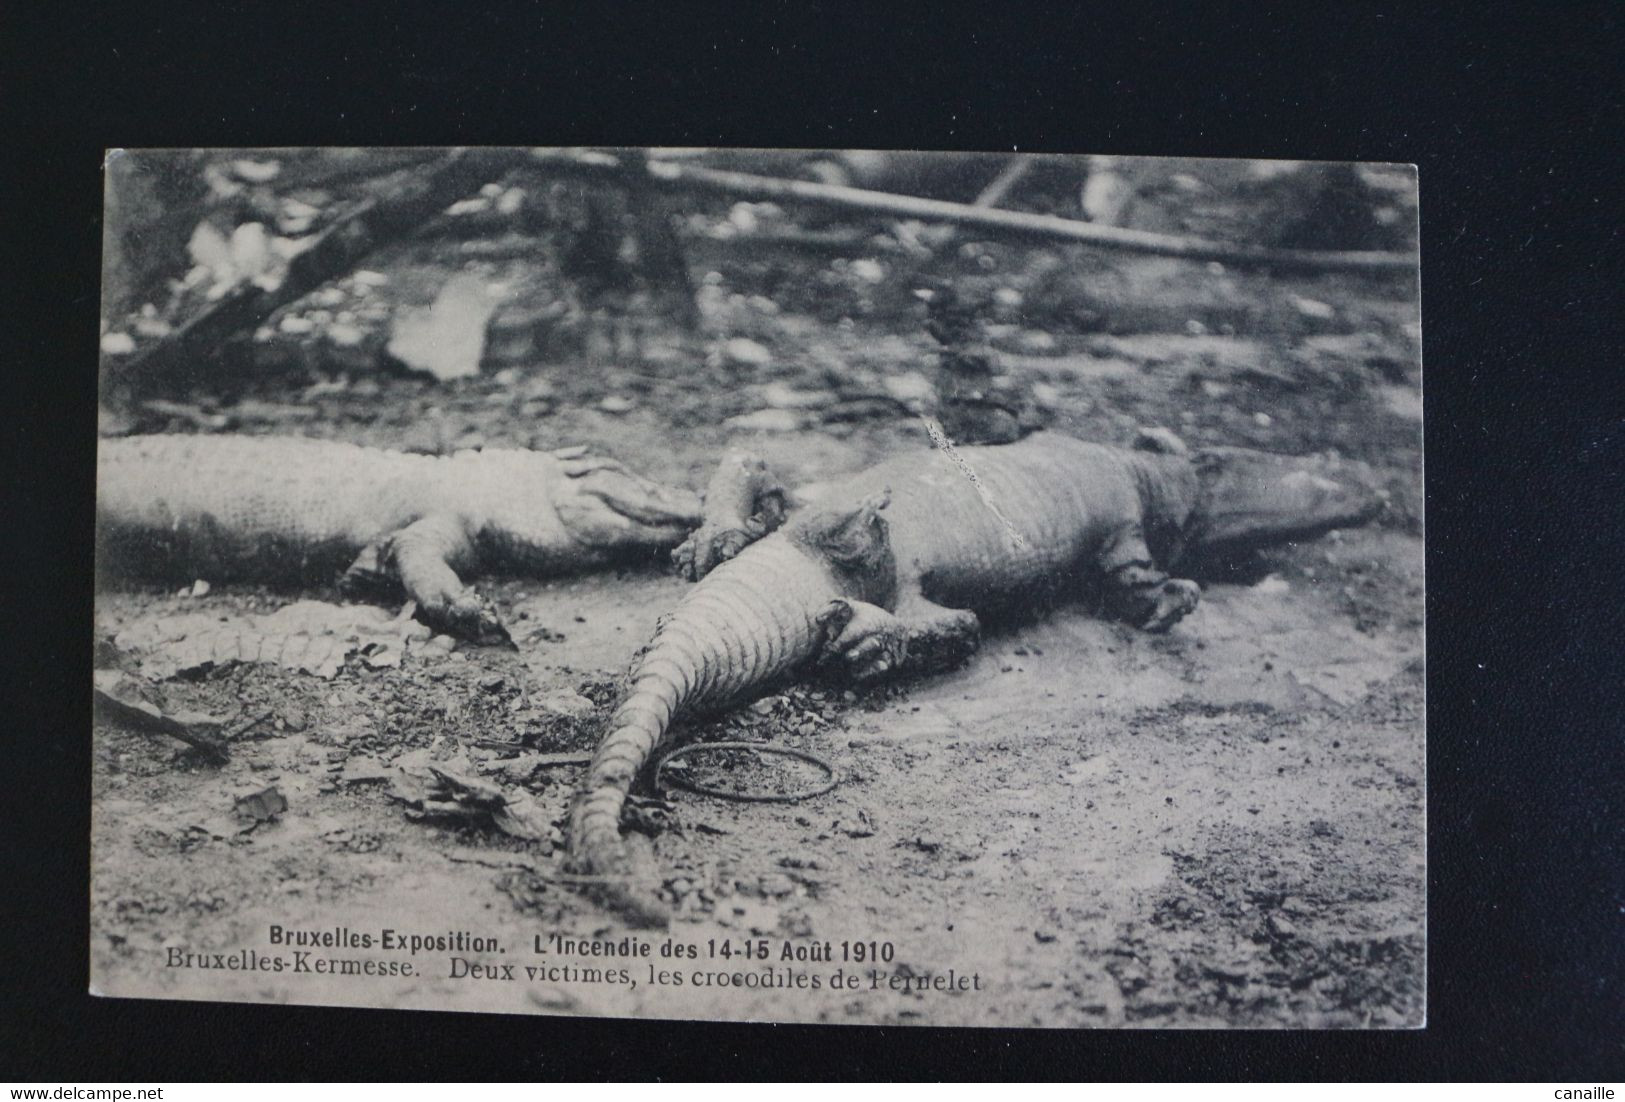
(832,586)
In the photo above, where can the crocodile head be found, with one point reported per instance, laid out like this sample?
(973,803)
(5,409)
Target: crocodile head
(1248,499)
(604,506)
(856,542)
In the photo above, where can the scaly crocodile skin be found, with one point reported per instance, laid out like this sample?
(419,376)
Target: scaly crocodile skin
(280,508)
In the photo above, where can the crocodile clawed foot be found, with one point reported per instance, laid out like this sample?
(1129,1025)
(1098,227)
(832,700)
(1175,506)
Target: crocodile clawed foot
(708,548)
(865,639)
(876,657)
(1175,599)
(944,641)
(471,617)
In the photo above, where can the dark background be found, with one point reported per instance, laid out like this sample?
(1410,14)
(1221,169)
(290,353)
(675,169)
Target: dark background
(1513,116)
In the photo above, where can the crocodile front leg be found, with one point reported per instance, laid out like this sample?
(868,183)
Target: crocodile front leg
(1138,592)
(421,557)
(920,637)
(743,503)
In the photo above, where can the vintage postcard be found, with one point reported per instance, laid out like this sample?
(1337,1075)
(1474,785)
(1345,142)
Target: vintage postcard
(821,586)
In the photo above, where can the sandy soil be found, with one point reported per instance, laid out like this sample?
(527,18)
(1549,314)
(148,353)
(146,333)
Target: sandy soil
(1220,826)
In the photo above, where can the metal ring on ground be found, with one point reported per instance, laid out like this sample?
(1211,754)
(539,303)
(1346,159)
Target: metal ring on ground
(750,797)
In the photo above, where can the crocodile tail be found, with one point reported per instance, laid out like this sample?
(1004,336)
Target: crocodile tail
(750,621)
(639,724)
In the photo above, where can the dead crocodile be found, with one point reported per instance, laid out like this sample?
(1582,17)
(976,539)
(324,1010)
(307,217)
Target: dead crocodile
(274,509)
(895,567)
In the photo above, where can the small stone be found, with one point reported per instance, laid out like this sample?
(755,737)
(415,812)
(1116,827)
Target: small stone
(256,172)
(368,278)
(296,325)
(1311,308)
(1263,420)
(118,344)
(261,806)
(870,271)
(617,404)
(345,335)
(200,588)
(152,327)
(1282,928)
(742,218)
(492,682)
(766,705)
(566,703)
(911,386)
(744,352)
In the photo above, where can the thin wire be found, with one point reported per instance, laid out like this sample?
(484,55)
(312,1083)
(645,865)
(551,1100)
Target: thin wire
(748,797)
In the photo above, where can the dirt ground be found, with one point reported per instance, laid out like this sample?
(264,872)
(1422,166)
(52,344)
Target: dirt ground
(1222,826)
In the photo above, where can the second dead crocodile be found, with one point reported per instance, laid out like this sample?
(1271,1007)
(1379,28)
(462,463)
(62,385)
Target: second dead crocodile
(277,509)
(895,567)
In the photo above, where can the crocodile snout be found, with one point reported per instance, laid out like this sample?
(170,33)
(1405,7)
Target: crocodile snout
(1250,498)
